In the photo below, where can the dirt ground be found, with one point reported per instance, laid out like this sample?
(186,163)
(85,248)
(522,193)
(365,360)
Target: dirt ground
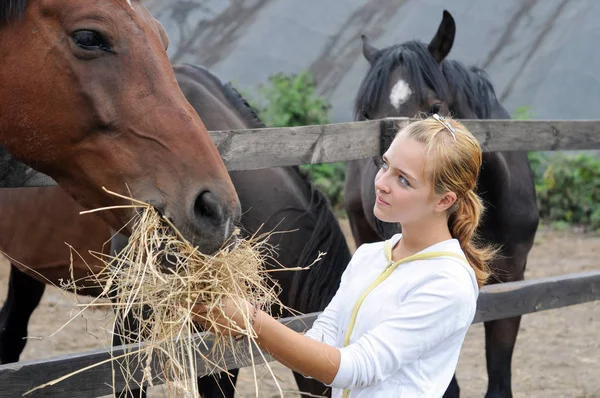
(557,352)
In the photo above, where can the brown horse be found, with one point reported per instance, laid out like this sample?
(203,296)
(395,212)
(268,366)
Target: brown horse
(282,199)
(89,98)
(412,78)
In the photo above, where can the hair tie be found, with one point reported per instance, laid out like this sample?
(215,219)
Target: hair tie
(445,124)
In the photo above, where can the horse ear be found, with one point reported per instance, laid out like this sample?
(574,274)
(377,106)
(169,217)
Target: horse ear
(441,44)
(369,50)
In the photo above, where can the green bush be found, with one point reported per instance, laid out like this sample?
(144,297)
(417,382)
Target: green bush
(569,191)
(329,179)
(566,186)
(291,100)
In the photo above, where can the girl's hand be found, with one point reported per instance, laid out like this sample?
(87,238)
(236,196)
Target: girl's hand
(234,316)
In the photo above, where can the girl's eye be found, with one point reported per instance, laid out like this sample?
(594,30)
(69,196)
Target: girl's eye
(404,181)
(384,165)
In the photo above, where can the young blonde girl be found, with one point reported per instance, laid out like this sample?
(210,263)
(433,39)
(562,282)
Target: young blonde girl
(398,320)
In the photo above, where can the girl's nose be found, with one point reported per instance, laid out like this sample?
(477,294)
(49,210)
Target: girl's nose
(380,183)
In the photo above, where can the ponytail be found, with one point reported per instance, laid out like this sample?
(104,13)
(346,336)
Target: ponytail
(463,223)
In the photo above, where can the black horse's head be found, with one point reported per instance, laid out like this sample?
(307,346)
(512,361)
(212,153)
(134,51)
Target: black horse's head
(406,79)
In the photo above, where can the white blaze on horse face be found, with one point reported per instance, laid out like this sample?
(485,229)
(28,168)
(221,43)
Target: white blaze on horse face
(400,93)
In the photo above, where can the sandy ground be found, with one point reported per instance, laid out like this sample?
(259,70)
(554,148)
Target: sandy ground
(557,352)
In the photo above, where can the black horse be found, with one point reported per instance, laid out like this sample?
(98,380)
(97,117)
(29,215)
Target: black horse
(413,78)
(276,199)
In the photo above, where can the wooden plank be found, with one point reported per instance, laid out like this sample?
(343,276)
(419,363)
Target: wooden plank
(526,297)
(536,135)
(273,147)
(338,142)
(287,146)
(495,302)
(18,378)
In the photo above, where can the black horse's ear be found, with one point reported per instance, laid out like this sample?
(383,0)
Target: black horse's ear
(369,50)
(441,44)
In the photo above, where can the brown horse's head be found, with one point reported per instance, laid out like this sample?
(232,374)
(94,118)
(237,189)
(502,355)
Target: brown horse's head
(89,97)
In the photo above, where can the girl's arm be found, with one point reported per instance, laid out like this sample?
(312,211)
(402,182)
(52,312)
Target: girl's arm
(300,353)
(297,352)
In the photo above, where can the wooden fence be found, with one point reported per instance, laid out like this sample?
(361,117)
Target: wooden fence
(289,146)
(271,147)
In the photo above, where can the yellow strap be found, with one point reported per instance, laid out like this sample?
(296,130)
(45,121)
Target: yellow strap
(384,275)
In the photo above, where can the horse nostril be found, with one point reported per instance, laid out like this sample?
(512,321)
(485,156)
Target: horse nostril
(207,206)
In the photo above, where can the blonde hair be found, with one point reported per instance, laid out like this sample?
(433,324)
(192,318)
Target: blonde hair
(454,159)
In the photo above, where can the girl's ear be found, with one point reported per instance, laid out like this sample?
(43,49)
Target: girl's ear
(445,202)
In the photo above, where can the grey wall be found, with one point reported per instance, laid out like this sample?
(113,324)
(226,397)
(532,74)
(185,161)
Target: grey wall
(539,53)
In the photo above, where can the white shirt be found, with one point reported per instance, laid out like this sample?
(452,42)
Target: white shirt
(409,330)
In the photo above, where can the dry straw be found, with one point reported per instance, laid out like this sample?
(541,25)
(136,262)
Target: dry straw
(156,281)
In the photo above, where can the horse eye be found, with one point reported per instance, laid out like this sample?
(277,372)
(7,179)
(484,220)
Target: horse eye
(366,116)
(435,108)
(90,40)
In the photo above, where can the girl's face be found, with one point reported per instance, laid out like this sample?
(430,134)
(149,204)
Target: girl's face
(404,191)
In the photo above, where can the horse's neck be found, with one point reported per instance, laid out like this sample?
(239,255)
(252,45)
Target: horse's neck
(299,182)
(15,174)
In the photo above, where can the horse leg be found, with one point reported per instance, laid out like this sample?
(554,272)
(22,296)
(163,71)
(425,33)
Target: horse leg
(24,295)
(500,339)
(218,386)
(310,387)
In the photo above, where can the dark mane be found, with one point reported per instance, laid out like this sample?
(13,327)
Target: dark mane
(242,106)
(234,98)
(420,66)
(11,10)
(472,86)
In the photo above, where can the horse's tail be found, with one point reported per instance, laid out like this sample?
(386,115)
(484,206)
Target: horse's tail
(312,290)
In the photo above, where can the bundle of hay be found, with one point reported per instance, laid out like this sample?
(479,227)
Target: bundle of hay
(159,278)
(156,282)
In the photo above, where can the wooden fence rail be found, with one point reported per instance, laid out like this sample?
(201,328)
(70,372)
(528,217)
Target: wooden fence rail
(292,146)
(495,302)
